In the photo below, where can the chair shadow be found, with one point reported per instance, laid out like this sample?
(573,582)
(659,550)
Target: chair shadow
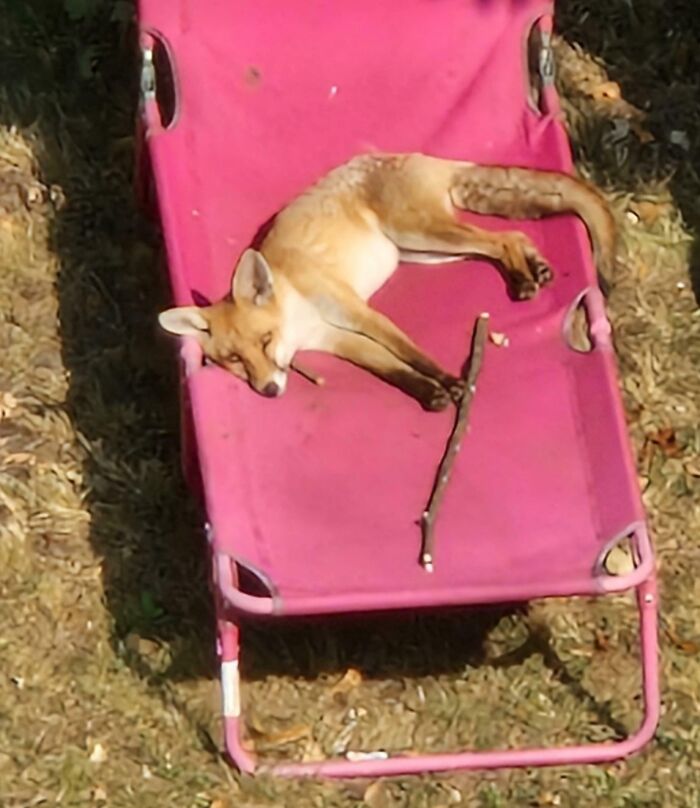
(77,93)
(427,643)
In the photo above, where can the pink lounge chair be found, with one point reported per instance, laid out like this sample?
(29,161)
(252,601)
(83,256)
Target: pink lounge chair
(312,499)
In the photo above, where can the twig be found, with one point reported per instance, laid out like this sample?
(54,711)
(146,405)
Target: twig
(469,374)
(309,375)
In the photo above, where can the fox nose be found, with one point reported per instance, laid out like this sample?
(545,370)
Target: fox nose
(271,390)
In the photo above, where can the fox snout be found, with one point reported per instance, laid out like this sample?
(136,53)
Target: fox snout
(271,387)
(271,390)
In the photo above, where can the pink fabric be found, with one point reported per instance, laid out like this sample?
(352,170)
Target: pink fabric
(321,490)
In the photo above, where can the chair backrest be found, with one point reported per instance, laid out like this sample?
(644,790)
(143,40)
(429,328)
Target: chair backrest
(270,94)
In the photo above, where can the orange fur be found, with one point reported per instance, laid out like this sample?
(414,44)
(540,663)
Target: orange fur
(337,243)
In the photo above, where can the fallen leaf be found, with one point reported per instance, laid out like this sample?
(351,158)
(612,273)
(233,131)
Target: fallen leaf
(312,753)
(98,754)
(19,459)
(608,91)
(379,754)
(649,212)
(248,744)
(680,138)
(687,646)
(643,135)
(601,640)
(8,403)
(99,794)
(665,439)
(289,735)
(349,681)
(692,467)
(642,269)
(619,561)
(376,795)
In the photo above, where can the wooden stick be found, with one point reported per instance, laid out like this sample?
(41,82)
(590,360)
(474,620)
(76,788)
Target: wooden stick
(470,373)
(309,375)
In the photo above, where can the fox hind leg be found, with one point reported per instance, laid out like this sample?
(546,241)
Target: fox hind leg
(524,266)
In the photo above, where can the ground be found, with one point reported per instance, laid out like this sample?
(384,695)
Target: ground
(107,685)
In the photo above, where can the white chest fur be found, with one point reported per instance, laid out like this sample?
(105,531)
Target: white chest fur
(371,261)
(302,327)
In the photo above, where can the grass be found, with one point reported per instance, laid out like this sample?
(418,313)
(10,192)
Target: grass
(107,688)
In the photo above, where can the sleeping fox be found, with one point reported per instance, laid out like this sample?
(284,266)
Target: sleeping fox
(334,246)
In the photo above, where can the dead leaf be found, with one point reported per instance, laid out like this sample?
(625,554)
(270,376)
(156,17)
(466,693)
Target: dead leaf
(98,754)
(312,753)
(686,646)
(601,640)
(19,459)
(650,212)
(8,403)
(643,135)
(619,561)
(680,138)
(248,744)
(351,679)
(99,794)
(642,269)
(607,91)
(665,439)
(692,466)
(297,732)
(376,795)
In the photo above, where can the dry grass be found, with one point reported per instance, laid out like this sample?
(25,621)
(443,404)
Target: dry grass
(106,683)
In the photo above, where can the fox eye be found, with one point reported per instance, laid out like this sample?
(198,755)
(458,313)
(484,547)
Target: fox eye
(234,358)
(266,339)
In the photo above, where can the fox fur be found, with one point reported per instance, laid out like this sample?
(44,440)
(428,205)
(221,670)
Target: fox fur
(329,250)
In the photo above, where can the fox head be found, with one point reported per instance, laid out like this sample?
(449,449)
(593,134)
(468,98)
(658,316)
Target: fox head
(241,333)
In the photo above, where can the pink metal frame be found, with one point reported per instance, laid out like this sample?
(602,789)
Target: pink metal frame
(231,602)
(229,645)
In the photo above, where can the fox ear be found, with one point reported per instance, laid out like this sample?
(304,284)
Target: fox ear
(184,321)
(252,279)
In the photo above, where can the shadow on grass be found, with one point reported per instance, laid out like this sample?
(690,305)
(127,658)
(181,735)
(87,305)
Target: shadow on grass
(651,49)
(411,646)
(74,84)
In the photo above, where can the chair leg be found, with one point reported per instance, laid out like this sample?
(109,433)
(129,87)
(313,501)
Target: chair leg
(229,647)
(379,763)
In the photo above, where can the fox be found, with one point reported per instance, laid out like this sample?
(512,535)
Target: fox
(307,284)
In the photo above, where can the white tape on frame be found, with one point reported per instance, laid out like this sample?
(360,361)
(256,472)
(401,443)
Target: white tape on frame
(231,688)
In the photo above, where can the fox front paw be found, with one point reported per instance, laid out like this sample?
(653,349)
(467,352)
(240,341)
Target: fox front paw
(525,289)
(435,398)
(454,387)
(541,270)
